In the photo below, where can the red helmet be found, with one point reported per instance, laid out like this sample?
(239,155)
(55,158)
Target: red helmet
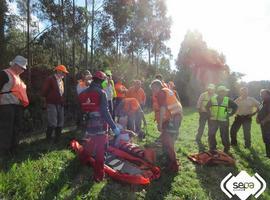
(100,75)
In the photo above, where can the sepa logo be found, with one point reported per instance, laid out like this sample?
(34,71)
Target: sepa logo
(243,185)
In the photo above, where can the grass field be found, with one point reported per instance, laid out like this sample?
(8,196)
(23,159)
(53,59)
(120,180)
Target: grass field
(42,170)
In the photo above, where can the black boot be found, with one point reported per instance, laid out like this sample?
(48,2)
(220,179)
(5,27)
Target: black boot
(49,133)
(58,132)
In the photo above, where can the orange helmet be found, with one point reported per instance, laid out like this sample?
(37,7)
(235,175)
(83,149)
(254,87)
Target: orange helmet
(61,68)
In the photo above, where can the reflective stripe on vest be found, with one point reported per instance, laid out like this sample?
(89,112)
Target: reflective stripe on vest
(14,91)
(219,112)
(173,105)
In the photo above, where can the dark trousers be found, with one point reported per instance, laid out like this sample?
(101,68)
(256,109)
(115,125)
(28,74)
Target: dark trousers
(116,102)
(266,137)
(11,117)
(110,106)
(138,122)
(245,122)
(224,133)
(202,121)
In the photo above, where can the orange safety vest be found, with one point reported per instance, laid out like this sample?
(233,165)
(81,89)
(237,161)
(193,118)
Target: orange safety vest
(119,87)
(138,94)
(131,105)
(17,89)
(173,106)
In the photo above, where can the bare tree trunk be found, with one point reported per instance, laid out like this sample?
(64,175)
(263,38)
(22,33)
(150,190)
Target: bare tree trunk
(117,45)
(120,47)
(149,54)
(138,57)
(28,43)
(73,40)
(86,37)
(155,57)
(63,33)
(81,55)
(132,57)
(3,10)
(92,32)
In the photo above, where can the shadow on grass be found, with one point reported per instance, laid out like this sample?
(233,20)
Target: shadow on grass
(76,178)
(210,178)
(35,149)
(117,190)
(255,163)
(159,189)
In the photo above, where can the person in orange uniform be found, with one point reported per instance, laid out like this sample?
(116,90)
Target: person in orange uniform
(137,92)
(160,77)
(154,98)
(121,91)
(13,98)
(171,86)
(169,116)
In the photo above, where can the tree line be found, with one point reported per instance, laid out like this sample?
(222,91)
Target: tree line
(127,36)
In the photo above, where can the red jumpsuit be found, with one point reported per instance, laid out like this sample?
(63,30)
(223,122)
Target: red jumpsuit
(94,103)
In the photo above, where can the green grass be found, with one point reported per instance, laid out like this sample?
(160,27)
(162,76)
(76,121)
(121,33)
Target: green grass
(42,170)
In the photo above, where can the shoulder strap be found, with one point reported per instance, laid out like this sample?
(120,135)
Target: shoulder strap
(6,92)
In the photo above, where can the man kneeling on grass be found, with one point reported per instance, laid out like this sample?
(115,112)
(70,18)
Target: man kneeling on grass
(168,117)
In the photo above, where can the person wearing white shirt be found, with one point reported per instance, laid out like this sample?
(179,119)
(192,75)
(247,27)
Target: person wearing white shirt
(247,107)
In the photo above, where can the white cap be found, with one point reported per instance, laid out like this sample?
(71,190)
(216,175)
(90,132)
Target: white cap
(19,60)
(222,88)
(211,86)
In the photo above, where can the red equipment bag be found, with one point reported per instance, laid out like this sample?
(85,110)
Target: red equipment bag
(212,158)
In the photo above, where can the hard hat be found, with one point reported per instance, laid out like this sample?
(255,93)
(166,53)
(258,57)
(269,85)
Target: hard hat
(156,82)
(100,75)
(19,60)
(86,73)
(211,86)
(108,72)
(61,68)
(222,88)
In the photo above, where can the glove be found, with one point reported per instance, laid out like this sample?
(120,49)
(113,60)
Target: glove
(116,131)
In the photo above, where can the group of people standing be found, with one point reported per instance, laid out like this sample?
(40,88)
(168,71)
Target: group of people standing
(215,108)
(108,105)
(127,114)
